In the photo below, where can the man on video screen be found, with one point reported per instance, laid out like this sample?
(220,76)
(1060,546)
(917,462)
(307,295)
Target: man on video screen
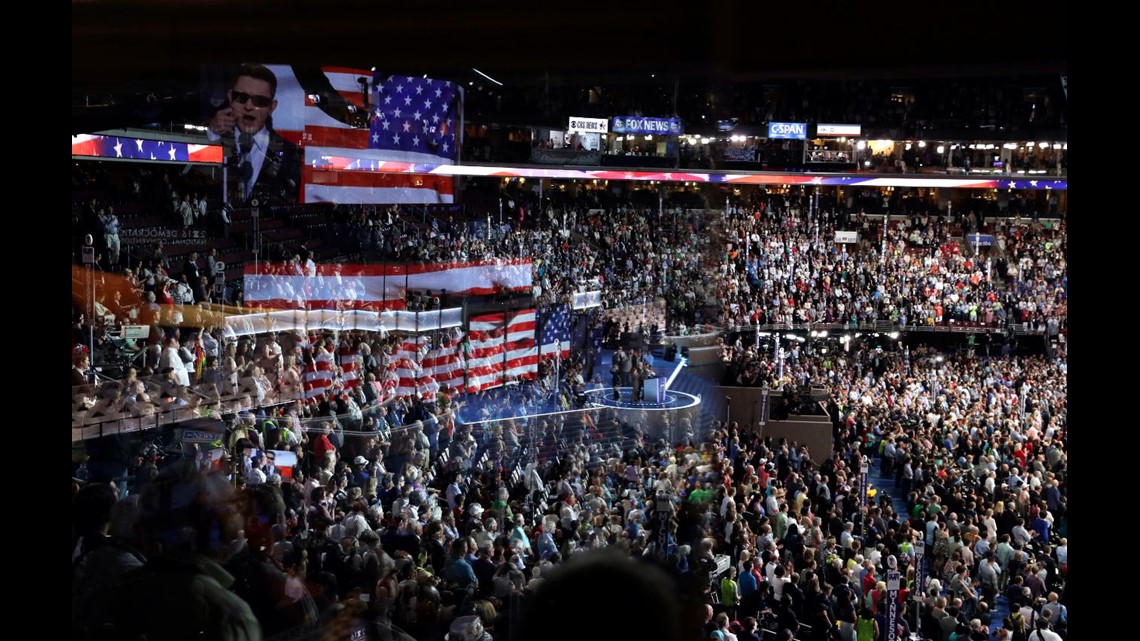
(262,164)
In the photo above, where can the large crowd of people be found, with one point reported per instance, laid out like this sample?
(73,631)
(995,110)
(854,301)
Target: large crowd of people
(778,270)
(431,530)
(368,512)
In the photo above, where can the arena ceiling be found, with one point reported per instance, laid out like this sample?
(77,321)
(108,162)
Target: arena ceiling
(129,45)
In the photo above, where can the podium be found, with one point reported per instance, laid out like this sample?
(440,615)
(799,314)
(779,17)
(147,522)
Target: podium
(655,390)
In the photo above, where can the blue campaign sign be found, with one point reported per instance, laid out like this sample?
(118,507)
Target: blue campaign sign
(644,125)
(893,581)
(787,130)
(980,240)
(199,436)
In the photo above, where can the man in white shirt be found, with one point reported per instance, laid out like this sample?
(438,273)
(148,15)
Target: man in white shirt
(172,357)
(356,523)
(728,499)
(1043,633)
(256,474)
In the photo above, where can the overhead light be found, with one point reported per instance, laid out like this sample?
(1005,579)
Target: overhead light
(893,335)
(908,146)
(1056,145)
(1042,144)
(921,144)
(485,76)
(861,145)
(649,136)
(704,141)
(941,149)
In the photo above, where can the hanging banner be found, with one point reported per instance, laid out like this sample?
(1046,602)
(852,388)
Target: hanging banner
(579,125)
(980,240)
(131,148)
(167,235)
(787,130)
(893,605)
(920,563)
(643,125)
(827,129)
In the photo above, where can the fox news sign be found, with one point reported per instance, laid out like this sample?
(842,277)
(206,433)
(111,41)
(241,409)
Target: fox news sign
(787,130)
(643,125)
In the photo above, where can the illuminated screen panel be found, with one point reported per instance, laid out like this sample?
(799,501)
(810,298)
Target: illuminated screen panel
(118,147)
(755,178)
(309,121)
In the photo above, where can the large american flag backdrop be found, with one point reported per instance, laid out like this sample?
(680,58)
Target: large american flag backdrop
(407,118)
(496,349)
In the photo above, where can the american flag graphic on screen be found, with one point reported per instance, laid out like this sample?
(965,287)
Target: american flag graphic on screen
(349,132)
(555,323)
(414,114)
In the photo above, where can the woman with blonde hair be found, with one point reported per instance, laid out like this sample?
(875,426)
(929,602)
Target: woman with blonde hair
(289,382)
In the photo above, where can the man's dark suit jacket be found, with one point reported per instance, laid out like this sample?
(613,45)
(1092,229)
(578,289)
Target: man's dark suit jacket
(280,179)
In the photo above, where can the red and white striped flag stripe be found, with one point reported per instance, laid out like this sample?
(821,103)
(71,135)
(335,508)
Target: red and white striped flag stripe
(345,81)
(502,347)
(350,364)
(408,373)
(445,365)
(411,348)
(318,375)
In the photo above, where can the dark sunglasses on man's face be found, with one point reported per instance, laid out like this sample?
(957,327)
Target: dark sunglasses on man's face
(261,102)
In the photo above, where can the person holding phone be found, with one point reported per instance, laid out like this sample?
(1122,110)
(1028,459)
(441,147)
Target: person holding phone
(262,164)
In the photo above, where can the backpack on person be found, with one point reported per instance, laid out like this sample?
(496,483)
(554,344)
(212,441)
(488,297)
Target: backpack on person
(1020,632)
(942,547)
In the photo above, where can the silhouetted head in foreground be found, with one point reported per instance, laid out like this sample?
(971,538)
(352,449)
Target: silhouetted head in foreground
(625,599)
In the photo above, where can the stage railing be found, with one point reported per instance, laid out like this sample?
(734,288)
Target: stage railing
(341,320)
